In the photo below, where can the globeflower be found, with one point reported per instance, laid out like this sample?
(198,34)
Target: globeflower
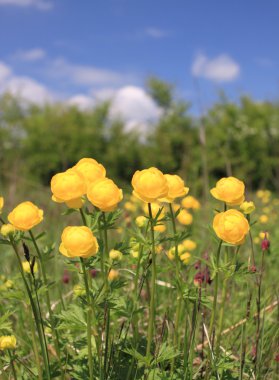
(185,257)
(231,226)
(7,342)
(1,204)
(78,241)
(141,221)
(7,229)
(176,188)
(90,169)
(247,207)
(150,185)
(113,275)
(188,244)
(114,254)
(104,194)
(229,190)
(25,216)
(68,187)
(185,218)
(263,219)
(190,202)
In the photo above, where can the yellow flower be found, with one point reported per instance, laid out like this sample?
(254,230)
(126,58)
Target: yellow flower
(263,219)
(262,235)
(176,189)
(78,241)
(25,216)
(1,204)
(185,218)
(190,202)
(7,342)
(114,254)
(68,187)
(78,291)
(229,190)
(9,284)
(155,207)
(180,249)
(27,269)
(129,206)
(189,244)
(113,275)
(185,257)
(104,194)
(160,228)
(150,185)
(141,221)
(171,254)
(231,226)
(134,254)
(90,169)
(247,207)
(7,229)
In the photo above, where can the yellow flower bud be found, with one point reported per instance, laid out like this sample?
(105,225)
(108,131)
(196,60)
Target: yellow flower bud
(189,244)
(25,216)
(231,226)
(78,241)
(262,235)
(247,207)
(176,187)
(229,190)
(104,194)
(27,269)
(79,291)
(185,257)
(149,185)
(115,255)
(190,202)
(7,229)
(90,169)
(134,254)
(7,342)
(68,187)
(113,275)
(185,218)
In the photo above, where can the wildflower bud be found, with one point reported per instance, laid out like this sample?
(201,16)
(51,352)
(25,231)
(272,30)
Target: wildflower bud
(265,244)
(7,342)
(276,358)
(141,221)
(113,275)
(93,273)
(115,255)
(1,204)
(197,264)
(66,277)
(247,207)
(253,269)
(198,279)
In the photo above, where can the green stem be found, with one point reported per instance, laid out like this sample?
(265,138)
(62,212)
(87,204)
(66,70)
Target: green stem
(45,281)
(35,348)
(216,280)
(153,286)
(89,319)
(38,321)
(12,365)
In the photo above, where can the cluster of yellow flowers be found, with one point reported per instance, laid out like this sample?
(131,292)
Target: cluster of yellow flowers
(231,226)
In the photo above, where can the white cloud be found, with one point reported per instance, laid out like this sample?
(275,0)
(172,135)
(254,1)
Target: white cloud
(81,101)
(25,88)
(156,32)
(86,75)
(30,55)
(135,107)
(5,71)
(220,69)
(42,5)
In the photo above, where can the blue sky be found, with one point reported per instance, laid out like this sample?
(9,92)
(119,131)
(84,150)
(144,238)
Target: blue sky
(80,51)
